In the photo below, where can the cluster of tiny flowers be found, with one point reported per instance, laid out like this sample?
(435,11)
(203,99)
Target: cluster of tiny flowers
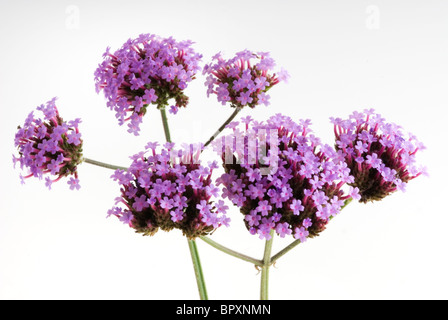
(146,70)
(242,80)
(169,189)
(380,156)
(282,178)
(49,146)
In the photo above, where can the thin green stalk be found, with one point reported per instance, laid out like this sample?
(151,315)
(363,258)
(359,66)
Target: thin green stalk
(103,164)
(285,250)
(166,128)
(291,246)
(198,269)
(264,286)
(223,126)
(231,252)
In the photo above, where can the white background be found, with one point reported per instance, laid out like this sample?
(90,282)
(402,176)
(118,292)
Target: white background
(342,56)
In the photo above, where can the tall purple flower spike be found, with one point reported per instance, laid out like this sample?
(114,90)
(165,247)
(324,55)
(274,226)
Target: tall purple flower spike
(146,70)
(169,189)
(49,146)
(282,178)
(380,156)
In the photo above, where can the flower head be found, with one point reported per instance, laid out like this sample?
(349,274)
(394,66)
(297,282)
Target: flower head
(281,177)
(146,70)
(169,189)
(242,80)
(49,146)
(381,158)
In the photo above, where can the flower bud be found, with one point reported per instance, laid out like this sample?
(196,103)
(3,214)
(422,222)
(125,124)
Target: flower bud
(169,189)
(242,80)
(282,178)
(381,157)
(146,70)
(49,146)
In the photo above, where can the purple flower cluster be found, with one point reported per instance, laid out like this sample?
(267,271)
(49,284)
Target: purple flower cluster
(146,70)
(380,156)
(282,177)
(167,190)
(242,80)
(49,146)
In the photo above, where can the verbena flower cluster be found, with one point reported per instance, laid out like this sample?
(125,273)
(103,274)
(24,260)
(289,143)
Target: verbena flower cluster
(49,146)
(282,178)
(243,80)
(380,156)
(146,70)
(169,189)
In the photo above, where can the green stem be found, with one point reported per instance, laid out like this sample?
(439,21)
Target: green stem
(223,126)
(198,269)
(285,250)
(103,164)
(231,252)
(191,243)
(166,128)
(264,286)
(291,246)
